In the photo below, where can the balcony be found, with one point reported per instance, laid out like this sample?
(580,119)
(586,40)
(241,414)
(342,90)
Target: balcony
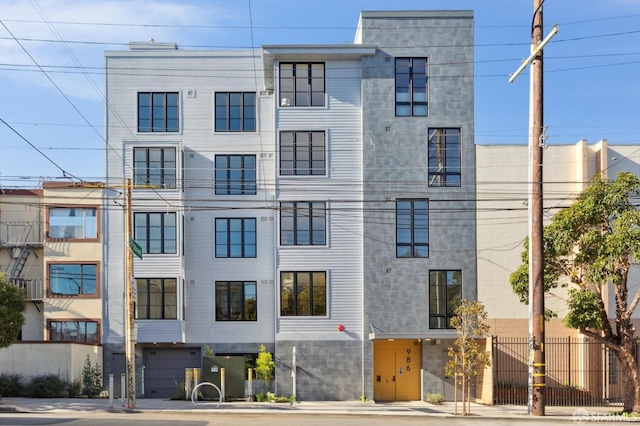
(17,233)
(33,286)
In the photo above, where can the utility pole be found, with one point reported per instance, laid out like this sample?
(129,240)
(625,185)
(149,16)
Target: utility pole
(537,249)
(537,375)
(130,342)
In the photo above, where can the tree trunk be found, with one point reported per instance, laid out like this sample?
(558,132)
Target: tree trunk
(630,377)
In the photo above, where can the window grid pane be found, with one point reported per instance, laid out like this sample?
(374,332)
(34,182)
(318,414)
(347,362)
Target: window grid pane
(157,298)
(236,301)
(73,279)
(158,112)
(303,294)
(302,84)
(74,331)
(235,237)
(155,167)
(411,87)
(445,294)
(303,223)
(235,175)
(302,153)
(155,232)
(444,157)
(235,112)
(412,228)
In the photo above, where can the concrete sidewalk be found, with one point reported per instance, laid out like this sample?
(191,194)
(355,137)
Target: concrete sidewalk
(417,408)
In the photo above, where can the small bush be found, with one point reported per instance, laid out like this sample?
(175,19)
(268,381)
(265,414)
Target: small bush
(434,398)
(270,397)
(260,397)
(46,386)
(75,388)
(91,379)
(10,385)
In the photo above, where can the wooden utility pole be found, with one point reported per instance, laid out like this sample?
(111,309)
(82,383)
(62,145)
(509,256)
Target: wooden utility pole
(130,340)
(537,226)
(537,375)
(537,253)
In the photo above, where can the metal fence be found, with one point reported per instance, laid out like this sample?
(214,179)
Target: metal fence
(579,372)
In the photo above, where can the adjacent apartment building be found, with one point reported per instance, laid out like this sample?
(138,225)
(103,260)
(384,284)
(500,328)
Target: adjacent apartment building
(51,246)
(318,199)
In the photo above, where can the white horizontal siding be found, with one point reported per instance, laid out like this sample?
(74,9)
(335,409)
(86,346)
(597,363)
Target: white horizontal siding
(342,257)
(160,331)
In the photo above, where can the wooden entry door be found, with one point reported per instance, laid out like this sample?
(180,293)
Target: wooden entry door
(384,385)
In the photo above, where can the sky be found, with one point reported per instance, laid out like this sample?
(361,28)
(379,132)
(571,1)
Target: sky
(52,66)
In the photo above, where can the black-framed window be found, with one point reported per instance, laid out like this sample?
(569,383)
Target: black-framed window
(235,112)
(445,294)
(156,232)
(302,153)
(303,293)
(303,223)
(444,157)
(73,279)
(154,167)
(73,222)
(236,301)
(158,112)
(157,298)
(302,84)
(236,237)
(411,87)
(235,174)
(412,228)
(74,331)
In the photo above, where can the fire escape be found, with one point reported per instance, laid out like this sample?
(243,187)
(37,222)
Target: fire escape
(22,239)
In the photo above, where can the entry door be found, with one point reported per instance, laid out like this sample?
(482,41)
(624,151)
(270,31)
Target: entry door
(384,376)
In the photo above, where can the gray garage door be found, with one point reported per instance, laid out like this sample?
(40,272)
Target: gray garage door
(164,369)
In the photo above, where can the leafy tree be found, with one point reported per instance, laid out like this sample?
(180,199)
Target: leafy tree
(591,245)
(13,303)
(91,378)
(466,358)
(265,366)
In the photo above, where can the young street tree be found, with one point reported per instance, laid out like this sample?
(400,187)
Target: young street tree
(588,246)
(466,358)
(13,303)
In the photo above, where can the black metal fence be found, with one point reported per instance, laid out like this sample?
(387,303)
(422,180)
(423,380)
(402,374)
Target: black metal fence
(579,372)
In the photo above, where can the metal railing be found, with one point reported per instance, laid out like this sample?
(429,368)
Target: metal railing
(34,287)
(579,372)
(13,233)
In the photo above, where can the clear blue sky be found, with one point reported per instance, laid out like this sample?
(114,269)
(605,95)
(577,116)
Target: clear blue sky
(592,66)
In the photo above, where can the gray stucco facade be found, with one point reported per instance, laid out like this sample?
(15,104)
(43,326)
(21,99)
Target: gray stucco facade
(395,151)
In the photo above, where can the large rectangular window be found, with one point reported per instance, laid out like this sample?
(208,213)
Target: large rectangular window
(74,331)
(73,279)
(303,223)
(155,232)
(444,157)
(236,237)
(73,222)
(301,84)
(412,228)
(235,112)
(158,112)
(157,298)
(302,153)
(235,174)
(236,301)
(411,87)
(155,167)
(303,293)
(445,293)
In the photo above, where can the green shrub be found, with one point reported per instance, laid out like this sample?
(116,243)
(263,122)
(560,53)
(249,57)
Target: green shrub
(91,379)
(75,388)
(434,398)
(260,397)
(46,386)
(10,385)
(282,399)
